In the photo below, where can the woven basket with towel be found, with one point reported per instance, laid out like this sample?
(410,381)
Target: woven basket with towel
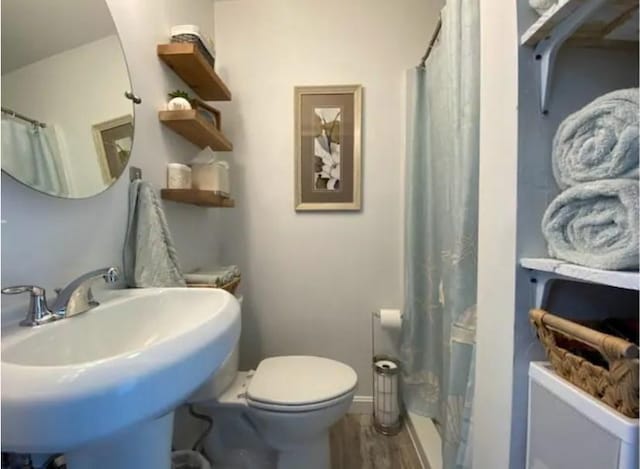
(600,363)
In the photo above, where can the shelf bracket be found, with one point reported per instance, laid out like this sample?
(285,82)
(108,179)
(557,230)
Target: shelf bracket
(546,50)
(542,284)
(543,281)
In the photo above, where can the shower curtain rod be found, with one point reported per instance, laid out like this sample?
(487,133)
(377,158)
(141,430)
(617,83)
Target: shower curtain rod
(432,43)
(23,117)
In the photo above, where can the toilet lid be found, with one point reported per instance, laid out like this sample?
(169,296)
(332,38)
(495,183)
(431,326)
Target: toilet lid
(299,380)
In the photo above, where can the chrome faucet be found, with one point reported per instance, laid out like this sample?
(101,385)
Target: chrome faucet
(75,298)
(38,312)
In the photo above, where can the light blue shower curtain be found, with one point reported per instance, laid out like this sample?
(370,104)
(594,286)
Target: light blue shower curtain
(441,232)
(31,155)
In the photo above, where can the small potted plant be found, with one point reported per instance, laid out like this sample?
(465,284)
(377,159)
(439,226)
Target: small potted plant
(179,100)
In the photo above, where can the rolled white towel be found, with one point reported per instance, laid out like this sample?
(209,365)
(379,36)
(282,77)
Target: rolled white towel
(541,5)
(216,277)
(595,224)
(600,141)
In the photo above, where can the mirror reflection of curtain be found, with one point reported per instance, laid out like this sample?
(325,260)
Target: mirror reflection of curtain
(32,155)
(438,343)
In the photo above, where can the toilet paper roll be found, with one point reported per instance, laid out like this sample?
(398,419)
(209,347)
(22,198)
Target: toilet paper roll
(390,319)
(386,393)
(386,365)
(178,176)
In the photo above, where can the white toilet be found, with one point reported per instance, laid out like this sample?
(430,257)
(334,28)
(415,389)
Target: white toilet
(288,402)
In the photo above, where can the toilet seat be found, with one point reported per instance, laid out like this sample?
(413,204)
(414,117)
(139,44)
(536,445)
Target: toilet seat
(299,384)
(284,408)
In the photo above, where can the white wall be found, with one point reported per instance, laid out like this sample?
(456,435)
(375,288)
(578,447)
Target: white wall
(50,241)
(89,83)
(311,280)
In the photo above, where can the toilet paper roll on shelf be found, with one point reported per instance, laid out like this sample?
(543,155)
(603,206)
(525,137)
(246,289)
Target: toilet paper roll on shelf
(178,176)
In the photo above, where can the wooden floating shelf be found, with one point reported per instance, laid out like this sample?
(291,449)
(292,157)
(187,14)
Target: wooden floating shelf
(613,25)
(186,60)
(197,197)
(195,128)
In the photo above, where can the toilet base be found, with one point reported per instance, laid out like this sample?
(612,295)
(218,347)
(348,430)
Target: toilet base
(313,454)
(236,441)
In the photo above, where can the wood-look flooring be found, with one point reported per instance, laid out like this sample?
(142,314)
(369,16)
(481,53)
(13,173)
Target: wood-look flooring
(355,444)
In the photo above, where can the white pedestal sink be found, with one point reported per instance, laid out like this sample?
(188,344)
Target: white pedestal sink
(101,387)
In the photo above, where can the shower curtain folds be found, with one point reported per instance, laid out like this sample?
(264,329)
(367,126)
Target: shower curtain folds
(31,155)
(438,343)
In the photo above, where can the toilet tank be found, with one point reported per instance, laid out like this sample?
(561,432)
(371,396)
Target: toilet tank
(219,381)
(222,378)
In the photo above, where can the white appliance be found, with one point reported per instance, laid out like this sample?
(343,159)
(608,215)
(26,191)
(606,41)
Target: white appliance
(569,429)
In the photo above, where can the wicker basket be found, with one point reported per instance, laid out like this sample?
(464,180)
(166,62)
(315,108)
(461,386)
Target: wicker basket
(230,287)
(194,39)
(208,112)
(616,384)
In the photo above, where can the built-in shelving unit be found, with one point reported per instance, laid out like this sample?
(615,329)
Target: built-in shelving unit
(606,31)
(197,197)
(186,60)
(195,128)
(590,23)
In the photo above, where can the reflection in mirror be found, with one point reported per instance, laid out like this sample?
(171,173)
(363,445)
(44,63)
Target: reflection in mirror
(67,127)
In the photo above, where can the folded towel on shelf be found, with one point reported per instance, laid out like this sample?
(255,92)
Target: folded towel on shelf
(149,256)
(215,277)
(600,141)
(541,5)
(595,224)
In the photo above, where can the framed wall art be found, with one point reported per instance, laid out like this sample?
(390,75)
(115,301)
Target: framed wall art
(113,140)
(328,159)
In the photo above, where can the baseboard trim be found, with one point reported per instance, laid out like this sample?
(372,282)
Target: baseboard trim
(362,405)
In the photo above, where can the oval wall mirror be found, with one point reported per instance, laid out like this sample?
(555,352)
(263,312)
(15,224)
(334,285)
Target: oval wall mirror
(67,127)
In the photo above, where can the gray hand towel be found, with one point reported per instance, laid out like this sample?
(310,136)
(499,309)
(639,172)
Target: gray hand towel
(149,256)
(600,141)
(595,224)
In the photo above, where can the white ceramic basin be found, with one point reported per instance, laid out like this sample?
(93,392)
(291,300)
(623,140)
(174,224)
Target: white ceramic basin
(133,359)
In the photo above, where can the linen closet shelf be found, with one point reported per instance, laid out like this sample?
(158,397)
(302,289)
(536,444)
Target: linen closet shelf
(583,23)
(547,270)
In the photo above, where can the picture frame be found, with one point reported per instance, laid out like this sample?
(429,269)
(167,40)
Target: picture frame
(113,140)
(328,147)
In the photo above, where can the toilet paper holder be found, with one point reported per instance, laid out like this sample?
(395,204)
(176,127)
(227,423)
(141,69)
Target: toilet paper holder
(386,405)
